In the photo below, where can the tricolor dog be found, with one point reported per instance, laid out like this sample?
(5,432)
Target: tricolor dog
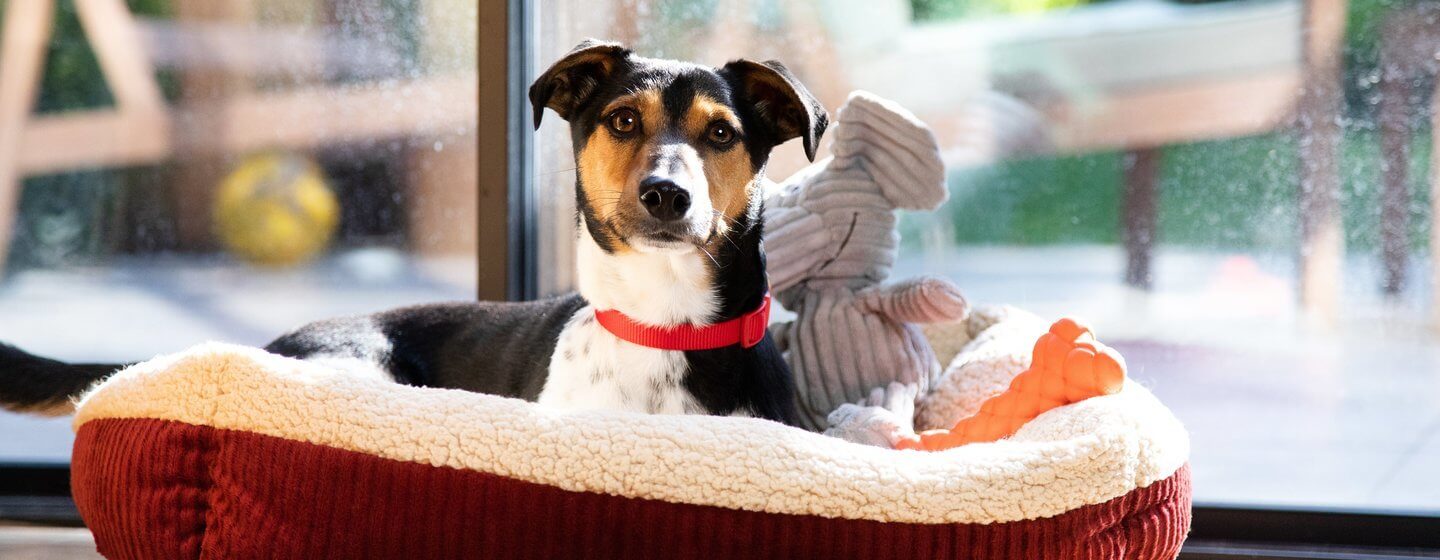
(673,300)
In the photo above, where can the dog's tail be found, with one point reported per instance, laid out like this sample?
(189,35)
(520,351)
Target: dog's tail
(37,385)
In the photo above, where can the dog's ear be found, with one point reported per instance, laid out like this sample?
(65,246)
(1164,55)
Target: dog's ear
(571,80)
(780,100)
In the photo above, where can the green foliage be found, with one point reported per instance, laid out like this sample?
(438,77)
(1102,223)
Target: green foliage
(1066,199)
(72,74)
(1364,33)
(1360,169)
(672,30)
(72,78)
(1236,193)
(65,218)
(396,23)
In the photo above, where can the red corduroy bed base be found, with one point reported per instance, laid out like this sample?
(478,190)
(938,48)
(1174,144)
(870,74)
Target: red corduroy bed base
(162,489)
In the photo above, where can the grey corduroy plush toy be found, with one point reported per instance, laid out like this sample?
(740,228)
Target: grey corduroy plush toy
(831,240)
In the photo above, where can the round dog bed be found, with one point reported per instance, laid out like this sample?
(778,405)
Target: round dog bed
(229,452)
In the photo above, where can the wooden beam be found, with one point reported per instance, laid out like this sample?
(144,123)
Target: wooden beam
(94,139)
(1164,114)
(292,52)
(293,119)
(1322,238)
(1435,207)
(191,182)
(1395,133)
(112,33)
(311,117)
(23,41)
(1185,112)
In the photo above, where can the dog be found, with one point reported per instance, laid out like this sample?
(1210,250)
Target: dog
(672,305)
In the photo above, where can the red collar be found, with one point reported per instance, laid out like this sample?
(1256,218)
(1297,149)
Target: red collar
(746,330)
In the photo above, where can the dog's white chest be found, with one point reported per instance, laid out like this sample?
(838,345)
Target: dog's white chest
(592,369)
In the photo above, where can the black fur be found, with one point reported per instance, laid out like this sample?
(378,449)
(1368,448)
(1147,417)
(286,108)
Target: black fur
(486,347)
(727,379)
(778,103)
(30,383)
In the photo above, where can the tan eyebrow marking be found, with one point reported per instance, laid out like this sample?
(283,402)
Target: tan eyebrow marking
(645,102)
(705,110)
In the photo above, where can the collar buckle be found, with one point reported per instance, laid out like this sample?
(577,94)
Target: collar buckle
(754,323)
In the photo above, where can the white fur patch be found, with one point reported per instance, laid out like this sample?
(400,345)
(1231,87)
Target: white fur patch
(593,369)
(654,285)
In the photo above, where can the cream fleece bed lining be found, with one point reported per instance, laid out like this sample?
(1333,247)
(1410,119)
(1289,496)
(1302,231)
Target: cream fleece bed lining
(1070,457)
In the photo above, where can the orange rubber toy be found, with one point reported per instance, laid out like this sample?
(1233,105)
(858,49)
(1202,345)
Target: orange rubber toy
(1069,366)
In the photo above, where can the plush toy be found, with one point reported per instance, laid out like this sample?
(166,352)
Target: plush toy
(831,241)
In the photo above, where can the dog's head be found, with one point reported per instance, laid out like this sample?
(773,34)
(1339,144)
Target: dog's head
(669,153)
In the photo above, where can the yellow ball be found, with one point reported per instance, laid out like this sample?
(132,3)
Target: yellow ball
(276,210)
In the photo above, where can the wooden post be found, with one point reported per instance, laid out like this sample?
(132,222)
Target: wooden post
(1435,206)
(195,176)
(23,41)
(493,228)
(1322,242)
(110,28)
(1395,157)
(1139,214)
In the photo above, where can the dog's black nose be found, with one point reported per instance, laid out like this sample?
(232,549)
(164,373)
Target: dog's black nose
(663,199)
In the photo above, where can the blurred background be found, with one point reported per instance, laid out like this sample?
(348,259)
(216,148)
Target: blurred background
(1237,193)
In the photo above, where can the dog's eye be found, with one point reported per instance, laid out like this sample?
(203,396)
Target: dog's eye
(721,133)
(624,121)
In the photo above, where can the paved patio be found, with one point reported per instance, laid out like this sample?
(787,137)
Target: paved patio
(1280,413)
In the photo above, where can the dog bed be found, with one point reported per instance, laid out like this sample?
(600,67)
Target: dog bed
(229,452)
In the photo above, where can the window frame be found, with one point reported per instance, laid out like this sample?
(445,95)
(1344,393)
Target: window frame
(506,258)
(1256,531)
(37,493)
